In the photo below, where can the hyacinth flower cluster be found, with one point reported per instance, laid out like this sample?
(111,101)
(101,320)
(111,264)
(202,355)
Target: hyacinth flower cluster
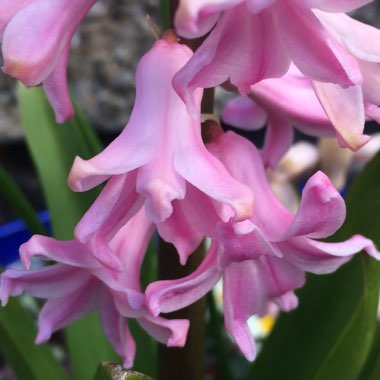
(298,64)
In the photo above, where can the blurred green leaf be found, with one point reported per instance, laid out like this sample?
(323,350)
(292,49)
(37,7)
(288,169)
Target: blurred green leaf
(87,347)
(53,148)
(28,361)
(371,370)
(331,332)
(20,203)
(165,14)
(109,371)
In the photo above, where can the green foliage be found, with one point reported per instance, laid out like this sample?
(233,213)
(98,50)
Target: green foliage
(29,362)
(53,148)
(330,334)
(20,203)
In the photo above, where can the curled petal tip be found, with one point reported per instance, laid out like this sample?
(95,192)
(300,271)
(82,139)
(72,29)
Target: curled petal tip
(127,363)
(44,334)
(4,295)
(62,116)
(353,141)
(369,247)
(78,175)
(178,338)
(153,306)
(243,209)
(20,70)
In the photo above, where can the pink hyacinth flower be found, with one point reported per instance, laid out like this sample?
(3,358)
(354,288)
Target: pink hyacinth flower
(347,107)
(36,37)
(79,284)
(157,155)
(255,40)
(288,102)
(266,262)
(195,18)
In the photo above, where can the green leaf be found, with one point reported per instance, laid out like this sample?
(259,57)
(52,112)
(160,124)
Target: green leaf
(109,371)
(29,362)
(331,332)
(20,203)
(146,350)
(371,370)
(165,13)
(53,148)
(87,347)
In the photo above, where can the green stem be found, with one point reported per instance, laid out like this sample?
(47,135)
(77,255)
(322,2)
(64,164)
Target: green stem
(20,203)
(165,14)
(216,329)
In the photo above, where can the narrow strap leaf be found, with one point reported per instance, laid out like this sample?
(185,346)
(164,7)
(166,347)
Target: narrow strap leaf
(28,361)
(53,148)
(20,203)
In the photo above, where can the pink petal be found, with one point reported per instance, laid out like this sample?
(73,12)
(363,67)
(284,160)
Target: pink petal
(129,303)
(193,218)
(269,215)
(358,38)
(55,281)
(278,139)
(235,248)
(69,252)
(144,139)
(209,175)
(110,207)
(131,243)
(170,295)
(101,251)
(256,6)
(116,329)
(59,312)
(245,114)
(293,97)
(247,288)
(195,18)
(160,186)
(8,8)
(313,49)
(128,247)
(117,250)
(243,47)
(321,211)
(279,276)
(172,332)
(242,299)
(286,302)
(334,5)
(344,107)
(28,54)
(320,257)
(371,82)
(56,88)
